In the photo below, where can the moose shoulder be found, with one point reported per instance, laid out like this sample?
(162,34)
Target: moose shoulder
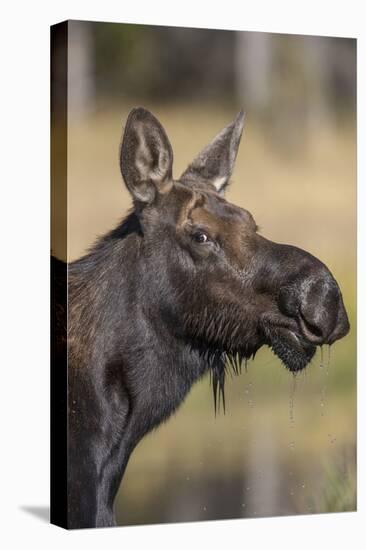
(183,286)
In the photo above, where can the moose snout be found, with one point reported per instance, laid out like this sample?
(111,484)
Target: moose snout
(317,305)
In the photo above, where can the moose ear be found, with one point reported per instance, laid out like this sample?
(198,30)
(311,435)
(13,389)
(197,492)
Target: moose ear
(146,156)
(215,163)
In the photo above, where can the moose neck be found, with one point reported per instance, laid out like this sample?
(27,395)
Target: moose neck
(129,363)
(123,328)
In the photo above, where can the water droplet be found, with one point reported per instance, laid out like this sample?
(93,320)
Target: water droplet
(187,478)
(248,488)
(292,402)
(243,505)
(321,358)
(204,509)
(303,485)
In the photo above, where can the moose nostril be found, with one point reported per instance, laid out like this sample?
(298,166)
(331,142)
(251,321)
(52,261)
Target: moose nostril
(310,330)
(317,306)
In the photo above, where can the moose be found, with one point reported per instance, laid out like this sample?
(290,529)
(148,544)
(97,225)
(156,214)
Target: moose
(185,285)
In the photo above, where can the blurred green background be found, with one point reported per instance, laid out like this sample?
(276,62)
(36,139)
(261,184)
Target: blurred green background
(285,445)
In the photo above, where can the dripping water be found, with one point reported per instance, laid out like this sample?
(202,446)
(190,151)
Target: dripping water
(292,425)
(248,394)
(292,410)
(324,387)
(292,401)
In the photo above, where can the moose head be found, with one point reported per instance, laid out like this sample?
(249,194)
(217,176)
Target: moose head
(220,283)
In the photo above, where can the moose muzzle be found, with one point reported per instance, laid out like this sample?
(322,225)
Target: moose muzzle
(307,307)
(317,305)
(315,302)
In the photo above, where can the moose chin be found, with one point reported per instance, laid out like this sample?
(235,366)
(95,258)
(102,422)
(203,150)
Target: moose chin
(185,285)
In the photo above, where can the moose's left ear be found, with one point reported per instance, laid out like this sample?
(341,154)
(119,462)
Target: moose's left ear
(146,157)
(215,163)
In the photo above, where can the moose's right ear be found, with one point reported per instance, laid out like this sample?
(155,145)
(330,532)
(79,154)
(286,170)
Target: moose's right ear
(215,163)
(146,157)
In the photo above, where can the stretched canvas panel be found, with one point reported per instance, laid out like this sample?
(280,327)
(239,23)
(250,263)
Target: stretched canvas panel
(203,274)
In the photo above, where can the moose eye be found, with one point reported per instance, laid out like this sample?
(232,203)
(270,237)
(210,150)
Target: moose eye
(200,237)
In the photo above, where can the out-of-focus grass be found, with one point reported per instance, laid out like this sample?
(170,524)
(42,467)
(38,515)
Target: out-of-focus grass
(305,198)
(338,486)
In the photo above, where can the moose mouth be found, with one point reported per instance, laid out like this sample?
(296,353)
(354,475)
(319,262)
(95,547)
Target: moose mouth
(289,346)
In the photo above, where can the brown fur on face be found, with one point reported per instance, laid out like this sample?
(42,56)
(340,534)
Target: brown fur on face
(230,230)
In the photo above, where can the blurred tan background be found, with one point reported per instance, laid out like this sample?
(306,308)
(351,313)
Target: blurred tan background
(284,445)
